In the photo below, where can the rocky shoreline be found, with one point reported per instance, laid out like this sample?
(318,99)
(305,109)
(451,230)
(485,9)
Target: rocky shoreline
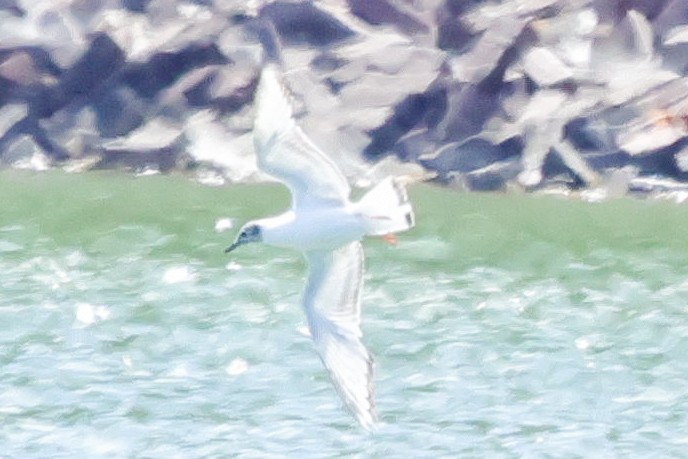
(537,95)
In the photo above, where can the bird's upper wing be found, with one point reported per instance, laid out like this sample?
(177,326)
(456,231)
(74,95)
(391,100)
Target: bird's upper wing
(332,302)
(286,153)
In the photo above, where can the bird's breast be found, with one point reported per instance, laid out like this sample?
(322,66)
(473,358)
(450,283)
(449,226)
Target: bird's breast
(320,229)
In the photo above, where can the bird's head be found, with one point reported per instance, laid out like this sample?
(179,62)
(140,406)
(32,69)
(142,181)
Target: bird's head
(250,232)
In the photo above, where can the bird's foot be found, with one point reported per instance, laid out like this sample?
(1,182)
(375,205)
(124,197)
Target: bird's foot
(390,239)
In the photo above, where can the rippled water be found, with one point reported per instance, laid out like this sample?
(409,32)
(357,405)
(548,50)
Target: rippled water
(502,326)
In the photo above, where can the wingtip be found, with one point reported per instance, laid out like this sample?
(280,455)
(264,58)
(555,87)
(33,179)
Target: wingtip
(369,420)
(364,413)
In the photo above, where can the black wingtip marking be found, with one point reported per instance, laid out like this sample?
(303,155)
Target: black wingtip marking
(409,219)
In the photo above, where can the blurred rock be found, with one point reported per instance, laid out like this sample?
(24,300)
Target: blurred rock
(10,115)
(305,23)
(157,134)
(24,153)
(453,34)
(545,68)
(155,145)
(466,156)
(536,94)
(102,59)
(380,12)
(163,69)
(12,7)
(494,177)
(19,68)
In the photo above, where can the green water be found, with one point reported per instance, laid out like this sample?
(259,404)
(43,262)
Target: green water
(502,326)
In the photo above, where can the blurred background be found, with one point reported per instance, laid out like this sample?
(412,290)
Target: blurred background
(482,95)
(546,318)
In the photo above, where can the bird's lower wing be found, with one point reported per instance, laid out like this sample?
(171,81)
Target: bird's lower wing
(332,302)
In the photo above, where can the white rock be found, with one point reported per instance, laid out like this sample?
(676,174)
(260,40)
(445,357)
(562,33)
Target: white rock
(545,68)
(10,115)
(677,35)
(157,134)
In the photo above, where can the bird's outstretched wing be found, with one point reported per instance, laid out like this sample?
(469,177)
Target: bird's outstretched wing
(332,302)
(285,152)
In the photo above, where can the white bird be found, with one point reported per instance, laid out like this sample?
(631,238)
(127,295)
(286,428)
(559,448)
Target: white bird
(327,227)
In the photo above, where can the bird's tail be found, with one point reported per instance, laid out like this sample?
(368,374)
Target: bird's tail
(386,208)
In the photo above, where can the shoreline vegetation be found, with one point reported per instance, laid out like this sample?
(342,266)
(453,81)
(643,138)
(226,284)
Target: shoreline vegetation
(581,98)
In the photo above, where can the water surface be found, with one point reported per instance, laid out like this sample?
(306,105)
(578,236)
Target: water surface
(502,326)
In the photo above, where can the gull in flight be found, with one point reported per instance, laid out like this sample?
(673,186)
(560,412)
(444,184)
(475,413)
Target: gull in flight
(327,227)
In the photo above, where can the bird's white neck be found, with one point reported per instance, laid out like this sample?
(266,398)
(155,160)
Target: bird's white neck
(271,227)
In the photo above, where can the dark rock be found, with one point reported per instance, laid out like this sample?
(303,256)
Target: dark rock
(460,7)
(497,48)
(13,7)
(327,62)
(601,160)
(102,59)
(452,33)
(29,126)
(305,23)
(485,93)
(379,12)
(661,162)
(232,89)
(585,136)
(225,87)
(676,57)
(415,144)
(468,109)
(413,110)
(263,32)
(190,90)
(494,177)
(162,160)
(467,156)
(555,170)
(675,13)
(136,6)
(198,92)
(615,10)
(163,69)
(118,111)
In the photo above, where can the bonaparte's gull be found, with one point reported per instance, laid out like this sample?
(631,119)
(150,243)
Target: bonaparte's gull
(327,227)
